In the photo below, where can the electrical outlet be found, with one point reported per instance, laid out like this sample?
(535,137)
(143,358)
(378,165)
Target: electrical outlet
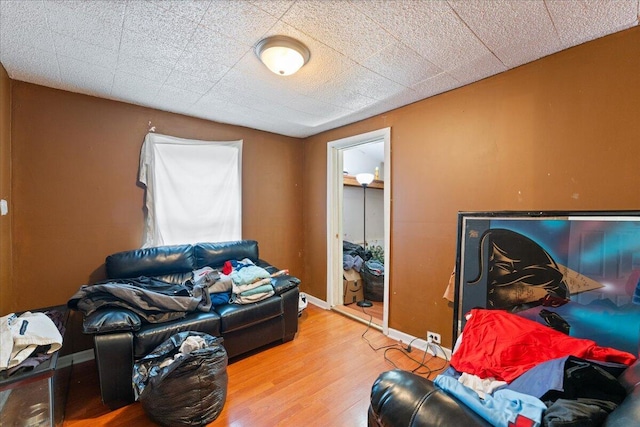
(433,337)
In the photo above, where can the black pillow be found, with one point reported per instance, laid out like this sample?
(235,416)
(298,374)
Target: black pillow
(113,319)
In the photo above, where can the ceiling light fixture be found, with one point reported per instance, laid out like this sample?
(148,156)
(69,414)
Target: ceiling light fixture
(282,55)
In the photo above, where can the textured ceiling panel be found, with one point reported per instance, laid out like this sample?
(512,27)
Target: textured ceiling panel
(516,32)
(78,76)
(239,20)
(197,57)
(580,21)
(338,25)
(401,64)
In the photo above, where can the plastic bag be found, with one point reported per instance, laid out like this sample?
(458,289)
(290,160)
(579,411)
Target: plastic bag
(183,382)
(373,277)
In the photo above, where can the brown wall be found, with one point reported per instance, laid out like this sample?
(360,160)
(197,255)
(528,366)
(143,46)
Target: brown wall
(75,193)
(561,133)
(5,188)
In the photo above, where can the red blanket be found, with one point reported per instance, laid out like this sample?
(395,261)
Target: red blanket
(503,346)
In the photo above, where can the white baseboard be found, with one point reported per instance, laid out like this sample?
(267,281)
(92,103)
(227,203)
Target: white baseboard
(435,350)
(419,343)
(317,302)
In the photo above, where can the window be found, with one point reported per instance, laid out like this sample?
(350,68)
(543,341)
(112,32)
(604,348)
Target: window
(194,190)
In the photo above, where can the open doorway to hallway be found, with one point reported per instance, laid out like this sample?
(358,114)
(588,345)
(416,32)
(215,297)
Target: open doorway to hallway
(363,231)
(358,227)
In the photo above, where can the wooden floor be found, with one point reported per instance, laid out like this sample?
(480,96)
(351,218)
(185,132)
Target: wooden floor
(321,378)
(371,314)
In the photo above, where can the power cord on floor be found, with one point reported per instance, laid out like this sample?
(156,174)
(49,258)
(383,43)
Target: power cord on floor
(367,330)
(430,370)
(404,351)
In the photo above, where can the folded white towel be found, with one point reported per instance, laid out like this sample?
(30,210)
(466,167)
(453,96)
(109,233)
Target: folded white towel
(29,331)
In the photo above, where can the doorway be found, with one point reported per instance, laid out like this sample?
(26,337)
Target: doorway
(362,226)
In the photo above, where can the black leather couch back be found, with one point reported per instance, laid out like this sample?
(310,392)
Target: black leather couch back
(175,263)
(215,254)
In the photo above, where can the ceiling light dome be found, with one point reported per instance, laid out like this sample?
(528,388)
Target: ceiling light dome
(282,55)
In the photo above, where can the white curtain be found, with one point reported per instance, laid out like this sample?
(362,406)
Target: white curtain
(193,190)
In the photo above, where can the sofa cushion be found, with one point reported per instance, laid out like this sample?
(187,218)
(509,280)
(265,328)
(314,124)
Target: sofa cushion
(111,319)
(152,262)
(153,334)
(238,316)
(215,254)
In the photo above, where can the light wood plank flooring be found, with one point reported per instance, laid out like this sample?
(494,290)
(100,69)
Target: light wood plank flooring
(371,314)
(321,378)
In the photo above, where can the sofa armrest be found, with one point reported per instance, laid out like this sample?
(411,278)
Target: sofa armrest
(282,284)
(114,360)
(400,398)
(111,320)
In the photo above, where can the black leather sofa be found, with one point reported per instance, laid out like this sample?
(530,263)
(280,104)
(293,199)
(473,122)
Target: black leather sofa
(401,398)
(121,337)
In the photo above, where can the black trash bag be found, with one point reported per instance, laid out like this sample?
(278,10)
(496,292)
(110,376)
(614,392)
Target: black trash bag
(372,273)
(183,389)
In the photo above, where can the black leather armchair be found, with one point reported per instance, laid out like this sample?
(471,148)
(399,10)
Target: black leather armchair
(121,337)
(401,398)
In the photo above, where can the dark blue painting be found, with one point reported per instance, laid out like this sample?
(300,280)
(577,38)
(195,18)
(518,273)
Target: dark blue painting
(578,272)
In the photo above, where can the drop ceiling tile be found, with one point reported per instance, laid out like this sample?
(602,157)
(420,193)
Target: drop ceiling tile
(315,108)
(432,29)
(346,97)
(274,7)
(186,81)
(82,77)
(477,69)
(265,97)
(31,65)
(169,93)
(401,64)
(516,32)
(86,52)
(345,29)
(193,10)
(229,112)
(20,13)
(201,66)
(215,47)
(443,82)
(110,11)
(35,36)
(369,84)
(578,22)
(175,100)
(144,46)
(88,28)
(24,23)
(157,23)
(134,89)
(141,68)
(238,20)
(401,99)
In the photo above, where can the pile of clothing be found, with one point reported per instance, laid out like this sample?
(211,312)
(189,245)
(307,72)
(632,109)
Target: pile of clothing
(515,371)
(157,301)
(29,339)
(238,282)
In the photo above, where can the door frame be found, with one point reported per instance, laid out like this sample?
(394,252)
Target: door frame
(335,179)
